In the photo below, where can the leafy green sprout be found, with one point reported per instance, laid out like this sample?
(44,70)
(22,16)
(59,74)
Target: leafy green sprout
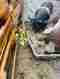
(22,37)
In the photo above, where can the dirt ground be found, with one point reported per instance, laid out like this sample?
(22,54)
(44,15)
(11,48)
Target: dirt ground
(28,67)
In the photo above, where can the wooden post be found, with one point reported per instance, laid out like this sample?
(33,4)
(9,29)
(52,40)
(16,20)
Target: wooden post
(2,75)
